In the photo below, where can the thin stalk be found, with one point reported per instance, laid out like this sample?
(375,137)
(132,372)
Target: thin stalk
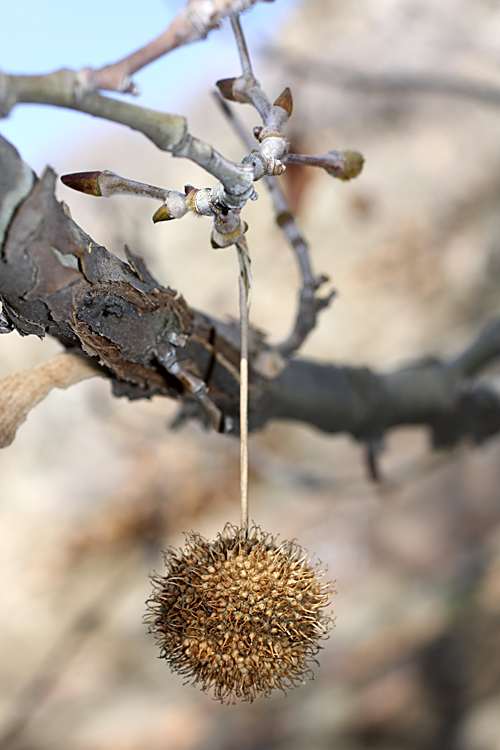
(244,284)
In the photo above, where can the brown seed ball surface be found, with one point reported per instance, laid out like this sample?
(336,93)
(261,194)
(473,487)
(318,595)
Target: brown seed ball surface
(241,615)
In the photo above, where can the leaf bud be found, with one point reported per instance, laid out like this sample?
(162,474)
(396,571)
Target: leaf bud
(285,101)
(162,214)
(353,165)
(84,182)
(225,86)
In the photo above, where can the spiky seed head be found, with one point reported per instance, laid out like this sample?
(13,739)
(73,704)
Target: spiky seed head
(240,615)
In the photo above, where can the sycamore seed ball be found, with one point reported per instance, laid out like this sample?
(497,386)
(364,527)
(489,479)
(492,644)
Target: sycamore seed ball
(241,615)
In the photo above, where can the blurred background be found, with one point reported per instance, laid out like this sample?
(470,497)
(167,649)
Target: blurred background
(94,487)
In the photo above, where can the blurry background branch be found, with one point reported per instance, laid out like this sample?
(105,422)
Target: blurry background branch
(20,393)
(390,82)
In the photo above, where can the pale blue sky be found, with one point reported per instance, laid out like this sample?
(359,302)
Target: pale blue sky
(38,37)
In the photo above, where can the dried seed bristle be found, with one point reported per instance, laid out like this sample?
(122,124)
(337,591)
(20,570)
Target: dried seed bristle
(241,615)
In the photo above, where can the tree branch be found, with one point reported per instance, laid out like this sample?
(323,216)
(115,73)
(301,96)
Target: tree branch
(192,24)
(54,279)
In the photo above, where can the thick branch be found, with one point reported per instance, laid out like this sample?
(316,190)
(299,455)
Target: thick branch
(365,404)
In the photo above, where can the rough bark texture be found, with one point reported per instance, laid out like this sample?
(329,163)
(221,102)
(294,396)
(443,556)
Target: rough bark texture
(55,280)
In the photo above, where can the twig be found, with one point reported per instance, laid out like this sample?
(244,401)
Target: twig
(246,65)
(175,205)
(247,90)
(334,161)
(107,184)
(373,449)
(309,305)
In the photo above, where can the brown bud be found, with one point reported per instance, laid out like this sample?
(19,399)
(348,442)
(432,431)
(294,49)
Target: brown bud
(285,101)
(353,165)
(84,182)
(225,86)
(257,131)
(162,214)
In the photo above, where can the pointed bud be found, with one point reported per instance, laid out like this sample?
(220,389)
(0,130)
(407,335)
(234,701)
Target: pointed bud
(285,101)
(163,214)
(257,131)
(225,86)
(353,165)
(84,182)
(188,189)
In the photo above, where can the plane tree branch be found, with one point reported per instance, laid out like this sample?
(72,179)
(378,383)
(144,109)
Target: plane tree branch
(147,340)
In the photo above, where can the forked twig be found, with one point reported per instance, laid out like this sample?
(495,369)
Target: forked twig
(192,24)
(309,304)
